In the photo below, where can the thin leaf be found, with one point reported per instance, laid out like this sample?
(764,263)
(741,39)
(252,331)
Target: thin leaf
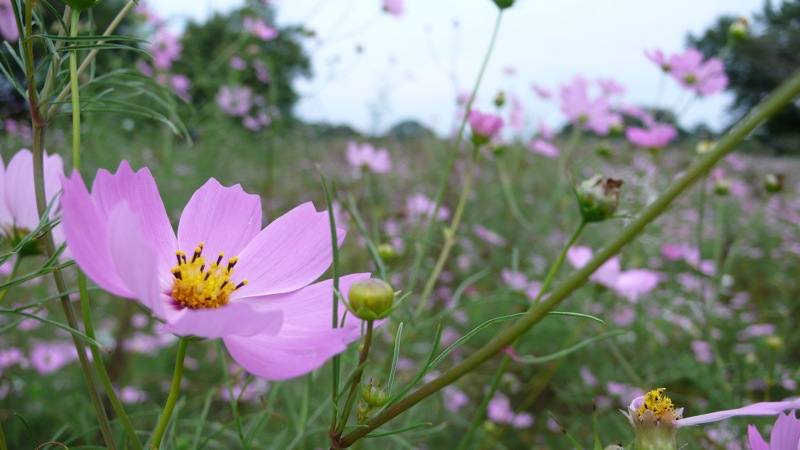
(61,326)
(402,430)
(560,354)
(395,356)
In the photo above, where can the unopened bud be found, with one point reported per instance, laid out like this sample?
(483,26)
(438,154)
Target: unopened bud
(598,198)
(773,183)
(722,186)
(374,396)
(704,147)
(500,99)
(371,299)
(503,4)
(738,29)
(386,251)
(773,341)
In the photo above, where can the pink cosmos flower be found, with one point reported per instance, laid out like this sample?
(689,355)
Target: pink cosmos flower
(368,157)
(484,126)
(8,24)
(258,28)
(609,86)
(488,235)
(237,63)
(785,434)
(18,212)
(542,92)
(656,136)
(235,100)
(593,114)
(262,74)
(48,357)
(419,205)
(544,148)
(658,57)
(499,411)
(516,114)
(630,284)
(221,276)
(703,77)
(165,47)
(394,7)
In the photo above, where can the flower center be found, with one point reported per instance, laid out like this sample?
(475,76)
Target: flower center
(200,285)
(656,402)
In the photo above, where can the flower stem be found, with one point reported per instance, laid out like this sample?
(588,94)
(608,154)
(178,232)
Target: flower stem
(97,358)
(161,428)
(449,236)
(508,193)
(782,96)
(423,246)
(348,405)
(76,101)
(234,401)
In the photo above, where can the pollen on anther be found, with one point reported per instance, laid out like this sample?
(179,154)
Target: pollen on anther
(241,284)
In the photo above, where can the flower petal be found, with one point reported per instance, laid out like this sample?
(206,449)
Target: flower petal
(86,231)
(225,219)
(786,432)
(140,191)
(238,319)
(291,252)
(756,441)
(310,307)
(135,259)
(20,194)
(756,409)
(291,353)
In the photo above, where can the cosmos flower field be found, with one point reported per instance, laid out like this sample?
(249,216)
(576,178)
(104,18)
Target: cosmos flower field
(186,268)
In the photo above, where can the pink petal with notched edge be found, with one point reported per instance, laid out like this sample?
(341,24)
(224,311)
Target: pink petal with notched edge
(293,352)
(291,252)
(20,194)
(135,261)
(86,230)
(312,306)
(786,432)
(238,319)
(225,219)
(139,190)
(756,441)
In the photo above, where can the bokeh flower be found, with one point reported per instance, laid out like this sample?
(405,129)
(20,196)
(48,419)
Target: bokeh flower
(8,24)
(394,7)
(484,126)
(594,114)
(258,28)
(654,137)
(693,73)
(366,156)
(221,276)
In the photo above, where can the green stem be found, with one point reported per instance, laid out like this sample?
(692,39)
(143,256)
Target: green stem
(97,358)
(449,236)
(508,193)
(11,276)
(76,101)
(3,445)
(422,248)
(782,96)
(234,401)
(480,414)
(161,428)
(348,405)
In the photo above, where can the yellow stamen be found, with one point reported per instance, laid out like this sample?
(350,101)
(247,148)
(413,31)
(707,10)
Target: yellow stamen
(197,286)
(656,402)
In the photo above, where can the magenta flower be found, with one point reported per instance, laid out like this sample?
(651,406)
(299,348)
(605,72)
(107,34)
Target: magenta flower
(609,86)
(703,77)
(18,212)
(221,276)
(593,114)
(8,24)
(165,47)
(235,100)
(785,434)
(658,57)
(656,136)
(366,156)
(394,7)
(484,126)
(259,28)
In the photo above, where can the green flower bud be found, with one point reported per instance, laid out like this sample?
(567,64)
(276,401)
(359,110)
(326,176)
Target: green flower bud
(598,198)
(722,186)
(500,99)
(374,396)
(773,183)
(80,5)
(371,299)
(386,251)
(739,28)
(704,147)
(773,342)
(503,4)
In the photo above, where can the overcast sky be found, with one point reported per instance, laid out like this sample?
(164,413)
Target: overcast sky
(411,67)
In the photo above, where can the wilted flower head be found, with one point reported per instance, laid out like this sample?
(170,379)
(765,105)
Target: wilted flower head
(598,198)
(8,24)
(366,156)
(221,275)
